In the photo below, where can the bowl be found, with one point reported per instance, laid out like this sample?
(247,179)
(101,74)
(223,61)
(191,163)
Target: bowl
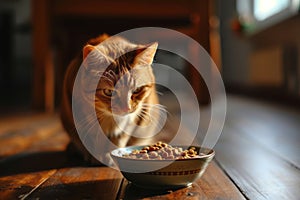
(162,173)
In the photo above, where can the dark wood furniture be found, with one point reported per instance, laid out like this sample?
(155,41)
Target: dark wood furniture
(61,27)
(257,157)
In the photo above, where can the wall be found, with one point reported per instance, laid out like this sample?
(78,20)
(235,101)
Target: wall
(268,59)
(16,55)
(235,49)
(283,36)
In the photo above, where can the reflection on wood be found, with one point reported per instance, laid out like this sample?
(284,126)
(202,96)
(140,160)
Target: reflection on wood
(254,160)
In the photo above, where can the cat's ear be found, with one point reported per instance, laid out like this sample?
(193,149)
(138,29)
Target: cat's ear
(146,54)
(93,58)
(86,50)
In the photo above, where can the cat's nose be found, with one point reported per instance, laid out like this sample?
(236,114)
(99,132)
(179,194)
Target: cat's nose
(125,109)
(121,110)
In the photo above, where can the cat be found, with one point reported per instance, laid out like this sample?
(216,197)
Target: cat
(125,96)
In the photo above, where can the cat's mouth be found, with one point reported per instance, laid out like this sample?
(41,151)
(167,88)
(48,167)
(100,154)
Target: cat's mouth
(122,118)
(121,113)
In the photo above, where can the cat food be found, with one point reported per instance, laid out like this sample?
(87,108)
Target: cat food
(162,151)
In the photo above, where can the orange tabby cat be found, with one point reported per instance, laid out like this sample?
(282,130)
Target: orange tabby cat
(125,93)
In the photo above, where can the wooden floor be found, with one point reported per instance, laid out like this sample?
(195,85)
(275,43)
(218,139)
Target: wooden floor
(257,157)
(260,149)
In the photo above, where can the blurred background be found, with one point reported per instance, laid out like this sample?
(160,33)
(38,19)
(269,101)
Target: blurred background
(255,43)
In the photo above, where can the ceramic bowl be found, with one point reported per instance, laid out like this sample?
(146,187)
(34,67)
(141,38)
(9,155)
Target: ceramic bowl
(162,173)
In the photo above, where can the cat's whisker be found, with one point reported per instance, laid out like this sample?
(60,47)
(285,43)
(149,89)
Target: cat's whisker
(89,127)
(140,115)
(155,121)
(146,116)
(86,128)
(88,131)
(157,108)
(85,120)
(152,119)
(100,115)
(156,105)
(101,118)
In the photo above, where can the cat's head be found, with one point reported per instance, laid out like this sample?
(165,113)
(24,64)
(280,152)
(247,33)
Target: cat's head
(127,82)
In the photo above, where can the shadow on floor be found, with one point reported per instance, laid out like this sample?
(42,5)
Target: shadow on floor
(33,162)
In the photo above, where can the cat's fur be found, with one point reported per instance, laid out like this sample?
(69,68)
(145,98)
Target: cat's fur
(129,75)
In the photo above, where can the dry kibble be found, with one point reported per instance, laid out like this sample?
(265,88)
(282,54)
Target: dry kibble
(176,152)
(153,154)
(146,148)
(163,151)
(184,153)
(135,151)
(152,148)
(165,154)
(145,156)
(143,151)
(164,144)
(168,150)
(191,152)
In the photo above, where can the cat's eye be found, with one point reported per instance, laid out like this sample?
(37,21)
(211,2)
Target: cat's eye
(107,92)
(138,90)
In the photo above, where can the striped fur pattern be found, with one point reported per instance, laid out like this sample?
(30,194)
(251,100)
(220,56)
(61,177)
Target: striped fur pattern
(125,97)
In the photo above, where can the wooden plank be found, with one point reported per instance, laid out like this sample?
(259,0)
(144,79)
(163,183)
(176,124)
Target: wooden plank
(33,136)
(273,126)
(39,161)
(259,173)
(212,185)
(34,144)
(19,121)
(216,185)
(80,183)
(21,185)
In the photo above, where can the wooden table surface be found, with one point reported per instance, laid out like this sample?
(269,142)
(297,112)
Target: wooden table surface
(257,157)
